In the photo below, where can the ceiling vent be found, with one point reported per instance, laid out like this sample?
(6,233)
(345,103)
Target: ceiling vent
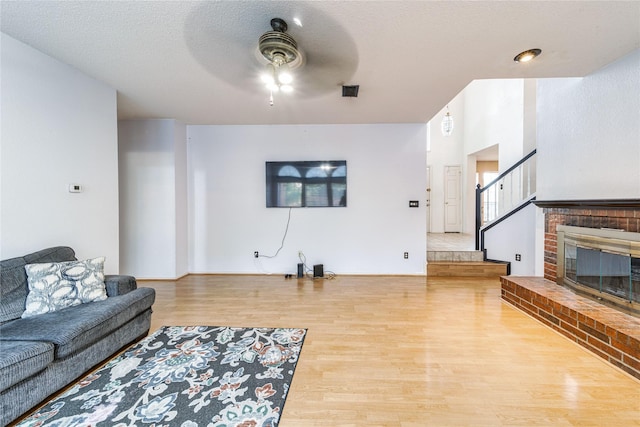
(350,91)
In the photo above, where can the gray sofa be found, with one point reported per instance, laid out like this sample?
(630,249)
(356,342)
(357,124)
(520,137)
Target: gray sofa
(42,354)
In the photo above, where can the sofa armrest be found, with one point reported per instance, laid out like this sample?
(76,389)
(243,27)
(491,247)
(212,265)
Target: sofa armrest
(119,284)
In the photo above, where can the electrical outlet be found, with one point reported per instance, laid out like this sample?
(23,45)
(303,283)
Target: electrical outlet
(75,188)
(406,255)
(256,254)
(518,257)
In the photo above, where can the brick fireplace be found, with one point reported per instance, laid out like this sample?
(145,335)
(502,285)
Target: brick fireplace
(602,329)
(620,215)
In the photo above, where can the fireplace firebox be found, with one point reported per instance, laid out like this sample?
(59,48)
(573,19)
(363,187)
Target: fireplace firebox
(603,264)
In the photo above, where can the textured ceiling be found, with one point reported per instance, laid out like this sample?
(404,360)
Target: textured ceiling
(196,61)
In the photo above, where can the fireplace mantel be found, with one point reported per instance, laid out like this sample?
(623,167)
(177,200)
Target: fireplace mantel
(590,203)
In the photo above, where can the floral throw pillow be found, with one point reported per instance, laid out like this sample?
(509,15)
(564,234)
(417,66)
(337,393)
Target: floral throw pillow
(57,285)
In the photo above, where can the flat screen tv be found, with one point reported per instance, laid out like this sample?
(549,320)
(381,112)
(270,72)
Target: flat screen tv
(307,184)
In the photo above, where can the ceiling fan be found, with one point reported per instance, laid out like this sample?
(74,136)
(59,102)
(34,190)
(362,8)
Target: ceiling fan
(281,52)
(230,42)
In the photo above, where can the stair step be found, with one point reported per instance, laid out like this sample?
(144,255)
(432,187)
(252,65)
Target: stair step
(459,256)
(466,268)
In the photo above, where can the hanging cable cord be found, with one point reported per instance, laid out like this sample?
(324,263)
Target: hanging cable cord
(329,274)
(303,260)
(284,237)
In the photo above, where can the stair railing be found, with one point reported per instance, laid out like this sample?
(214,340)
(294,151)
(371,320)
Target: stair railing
(505,193)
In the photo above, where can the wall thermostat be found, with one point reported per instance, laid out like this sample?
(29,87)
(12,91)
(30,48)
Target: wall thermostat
(75,188)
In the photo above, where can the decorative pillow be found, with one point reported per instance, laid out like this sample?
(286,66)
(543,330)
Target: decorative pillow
(57,285)
(89,279)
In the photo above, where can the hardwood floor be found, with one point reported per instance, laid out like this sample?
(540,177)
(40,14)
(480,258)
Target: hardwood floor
(410,351)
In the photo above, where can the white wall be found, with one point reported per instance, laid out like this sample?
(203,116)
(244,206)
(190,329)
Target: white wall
(229,221)
(589,134)
(181,191)
(515,235)
(493,114)
(58,127)
(486,113)
(446,151)
(529,118)
(153,201)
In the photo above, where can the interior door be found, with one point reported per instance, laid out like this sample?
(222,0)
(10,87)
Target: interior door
(452,199)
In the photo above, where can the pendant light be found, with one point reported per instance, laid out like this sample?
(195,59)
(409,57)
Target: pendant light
(447,124)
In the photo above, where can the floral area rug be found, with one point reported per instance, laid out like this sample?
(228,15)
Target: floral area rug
(185,376)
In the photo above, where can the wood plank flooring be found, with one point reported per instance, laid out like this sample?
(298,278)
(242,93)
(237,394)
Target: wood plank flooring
(411,351)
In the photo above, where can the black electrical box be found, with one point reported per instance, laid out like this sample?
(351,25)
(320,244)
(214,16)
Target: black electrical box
(318,270)
(300,270)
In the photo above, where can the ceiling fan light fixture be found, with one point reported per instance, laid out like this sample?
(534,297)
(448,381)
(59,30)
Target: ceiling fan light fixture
(284,74)
(527,55)
(282,54)
(285,78)
(267,76)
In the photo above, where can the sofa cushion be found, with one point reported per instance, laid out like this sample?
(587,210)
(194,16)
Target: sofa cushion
(75,328)
(57,285)
(13,291)
(13,279)
(21,359)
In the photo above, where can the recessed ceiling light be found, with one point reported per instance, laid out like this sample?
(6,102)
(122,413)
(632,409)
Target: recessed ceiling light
(527,55)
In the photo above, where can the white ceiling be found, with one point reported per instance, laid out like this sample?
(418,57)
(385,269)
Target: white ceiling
(195,61)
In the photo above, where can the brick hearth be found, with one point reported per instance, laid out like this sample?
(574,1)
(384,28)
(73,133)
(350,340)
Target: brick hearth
(603,330)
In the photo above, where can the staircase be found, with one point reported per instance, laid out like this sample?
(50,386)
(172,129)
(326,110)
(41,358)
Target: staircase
(452,255)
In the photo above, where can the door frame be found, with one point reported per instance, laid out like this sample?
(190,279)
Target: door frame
(428,198)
